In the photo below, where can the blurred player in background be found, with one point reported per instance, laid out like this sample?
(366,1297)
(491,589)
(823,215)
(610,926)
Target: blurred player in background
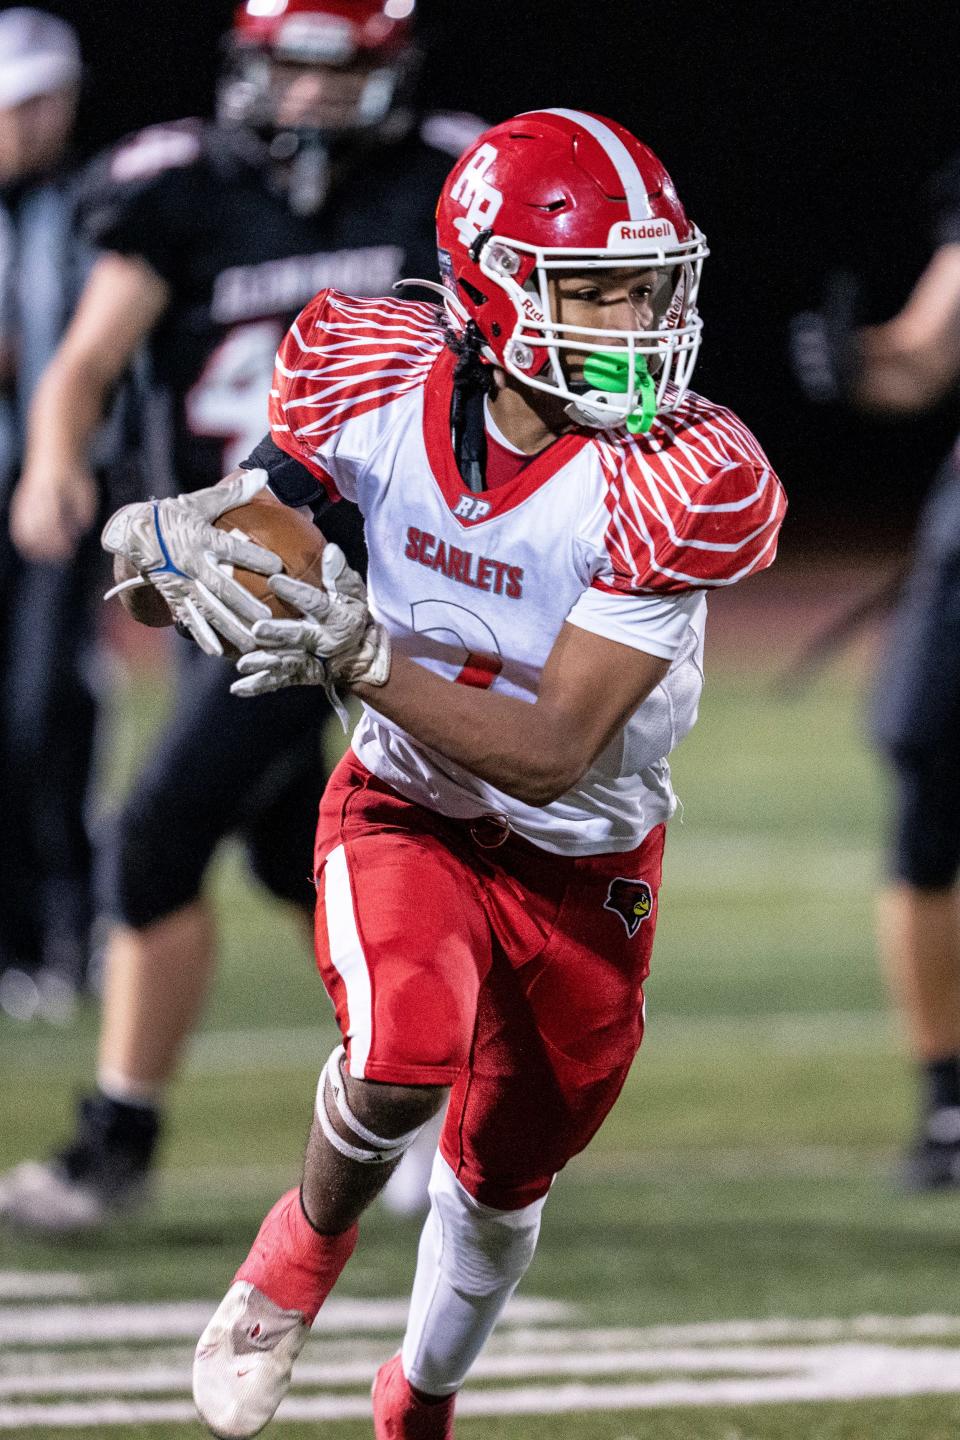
(900,367)
(46,704)
(546,505)
(316,173)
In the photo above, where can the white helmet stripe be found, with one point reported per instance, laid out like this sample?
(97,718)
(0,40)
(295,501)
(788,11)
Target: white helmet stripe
(620,157)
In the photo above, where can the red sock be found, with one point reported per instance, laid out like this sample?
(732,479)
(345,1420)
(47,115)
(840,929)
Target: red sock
(291,1263)
(402,1413)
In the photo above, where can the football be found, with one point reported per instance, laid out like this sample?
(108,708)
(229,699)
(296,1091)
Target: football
(288,533)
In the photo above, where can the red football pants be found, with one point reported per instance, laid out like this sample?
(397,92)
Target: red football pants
(456,957)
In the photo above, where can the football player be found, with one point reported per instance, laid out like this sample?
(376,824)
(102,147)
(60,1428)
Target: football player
(547,505)
(213,237)
(902,367)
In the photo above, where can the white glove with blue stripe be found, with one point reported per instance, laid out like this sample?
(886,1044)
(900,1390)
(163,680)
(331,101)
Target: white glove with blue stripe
(175,547)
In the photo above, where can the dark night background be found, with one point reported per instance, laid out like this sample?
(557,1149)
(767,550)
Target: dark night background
(801,137)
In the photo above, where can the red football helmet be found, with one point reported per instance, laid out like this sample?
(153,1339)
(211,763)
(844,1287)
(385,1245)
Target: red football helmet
(374,34)
(562,191)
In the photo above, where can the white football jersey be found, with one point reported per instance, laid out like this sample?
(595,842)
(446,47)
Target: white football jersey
(620,535)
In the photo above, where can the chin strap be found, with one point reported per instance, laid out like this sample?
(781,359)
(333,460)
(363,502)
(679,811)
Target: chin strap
(469,436)
(472,381)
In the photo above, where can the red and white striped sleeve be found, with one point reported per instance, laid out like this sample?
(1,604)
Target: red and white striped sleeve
(693,505)
(342,359)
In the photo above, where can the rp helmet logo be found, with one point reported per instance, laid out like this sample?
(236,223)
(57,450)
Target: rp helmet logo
(478,196)
(632,900)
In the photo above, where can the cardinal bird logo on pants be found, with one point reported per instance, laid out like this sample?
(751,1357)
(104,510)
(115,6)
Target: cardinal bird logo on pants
(632,900)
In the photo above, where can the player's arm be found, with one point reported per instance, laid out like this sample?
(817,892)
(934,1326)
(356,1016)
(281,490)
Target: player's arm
(911,361)
(56,499)
(534,751)
(590,687)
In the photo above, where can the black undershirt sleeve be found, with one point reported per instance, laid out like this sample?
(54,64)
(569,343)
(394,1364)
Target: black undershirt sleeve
(291,482)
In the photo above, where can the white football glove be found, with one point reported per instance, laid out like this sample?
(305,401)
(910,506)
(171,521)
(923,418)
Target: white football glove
(176,548)
(336,642)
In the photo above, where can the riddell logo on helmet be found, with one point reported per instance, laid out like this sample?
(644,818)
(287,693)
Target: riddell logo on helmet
(632,232)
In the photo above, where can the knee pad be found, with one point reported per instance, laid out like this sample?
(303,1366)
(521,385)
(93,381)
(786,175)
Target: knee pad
(373,1149)
(480,1250)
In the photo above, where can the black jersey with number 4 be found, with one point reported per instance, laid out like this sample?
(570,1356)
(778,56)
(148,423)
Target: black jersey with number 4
(197,203)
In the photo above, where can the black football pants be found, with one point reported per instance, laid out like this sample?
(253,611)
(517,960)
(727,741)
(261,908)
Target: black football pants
(222,766)
(917,703)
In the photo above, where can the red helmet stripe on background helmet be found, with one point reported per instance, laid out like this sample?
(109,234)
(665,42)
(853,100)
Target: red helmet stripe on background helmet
(638,201)
(372,38)
(356,27)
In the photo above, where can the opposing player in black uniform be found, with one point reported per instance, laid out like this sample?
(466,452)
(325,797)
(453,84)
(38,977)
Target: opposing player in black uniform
(215,237)
(903,366)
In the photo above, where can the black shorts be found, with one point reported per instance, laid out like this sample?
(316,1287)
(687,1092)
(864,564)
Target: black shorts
(222,765)
(917,703)
(916,709)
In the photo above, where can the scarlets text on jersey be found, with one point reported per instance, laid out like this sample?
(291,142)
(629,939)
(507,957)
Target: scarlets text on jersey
(477,587)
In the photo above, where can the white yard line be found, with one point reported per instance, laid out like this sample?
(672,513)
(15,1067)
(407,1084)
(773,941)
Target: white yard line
(764,1360)
(163,1379)
(785,1032)
(757,1365)
(515,1349)
(159,1321)
(44,1284)
(719,860)
(108,1412)
(731,1332)
(814,1373)
(174,1320)
(240,1051)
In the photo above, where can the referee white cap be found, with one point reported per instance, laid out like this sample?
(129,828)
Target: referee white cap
(38,54)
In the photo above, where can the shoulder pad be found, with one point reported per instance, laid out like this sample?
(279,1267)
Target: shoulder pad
(344,357)
(150,152)
(694,503)
(450,131)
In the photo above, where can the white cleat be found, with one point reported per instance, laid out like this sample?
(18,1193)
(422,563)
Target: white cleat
(40,1196)
(243,1362)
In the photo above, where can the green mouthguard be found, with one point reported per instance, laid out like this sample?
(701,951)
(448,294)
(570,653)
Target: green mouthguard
(610,370)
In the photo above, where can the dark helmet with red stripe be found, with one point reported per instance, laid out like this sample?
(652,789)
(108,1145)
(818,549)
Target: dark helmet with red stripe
(330,30)
(373,38)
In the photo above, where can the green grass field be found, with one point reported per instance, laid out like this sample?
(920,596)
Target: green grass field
(744,1177)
